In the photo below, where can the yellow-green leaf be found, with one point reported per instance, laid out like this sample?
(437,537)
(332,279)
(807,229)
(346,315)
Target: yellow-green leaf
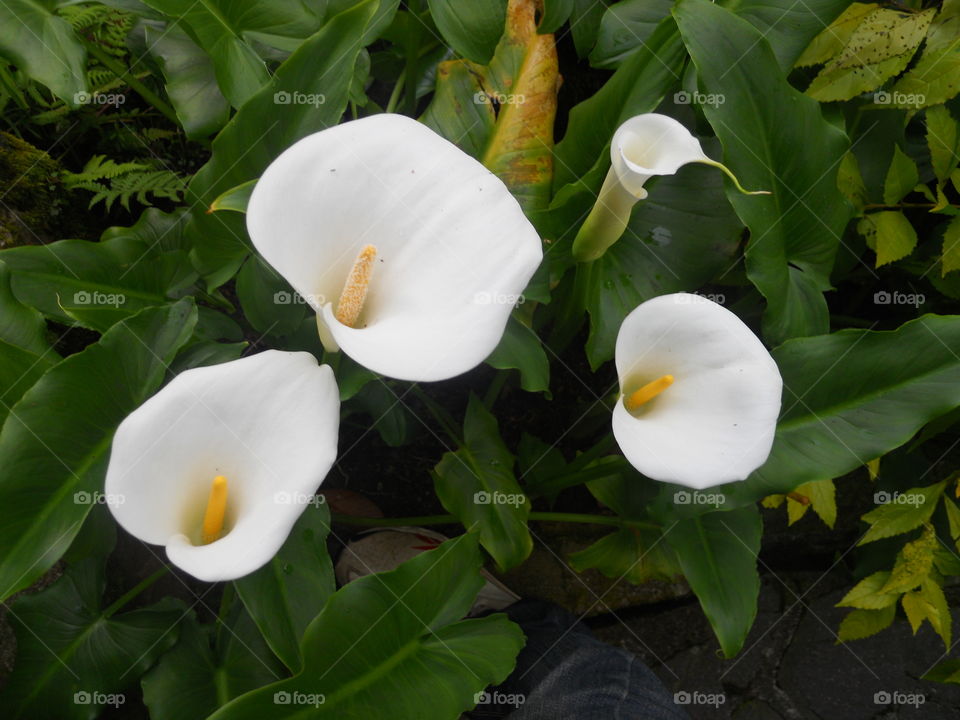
(953,517)
(942,139)
(936,76)
(929,603)
(904,512)
(901,178)
(860,623)
(889,233)
(873,468)
(832,39)
(773,501)
(850,181)
(914,563)
(795,510)
(868,594)
(879,48)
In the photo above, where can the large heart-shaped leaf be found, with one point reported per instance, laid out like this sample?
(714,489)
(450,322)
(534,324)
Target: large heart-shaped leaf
(503,113)
(96,284)
(74,658)
(55,443)
(853,396)
(209,666)
(476,483)
(718,554)
(472,29)
(774,139)
(287,593)
(44,46)
(395,640)
(268,123)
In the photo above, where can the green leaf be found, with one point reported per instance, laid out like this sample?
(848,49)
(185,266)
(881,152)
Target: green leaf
(624,27)
(950,259)
(24,352)
(850,181)
(834,37)
(208,667)
(387,413)
(878,49)
(73,657)
(868,594)
(947,671)
(929,603)
(206,352)
(473,29)
(55,444)
(190,80)
(889,233)
(859,624)
(853,396)
(395,640)
(935,78)
(718,554)
(902,512)
(322,66)
(664,250)
(96,284)
(902,177)
(520,349)
(555,14)
(636,87)
(515,140)
(44,46)
(285,595)
(632,554)
(235,199)
(269,303)
(477,485)
(226,31)
(794,233)
(943,141)
(787,25)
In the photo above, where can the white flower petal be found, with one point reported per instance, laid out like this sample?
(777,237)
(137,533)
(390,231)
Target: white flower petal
(267,422)
(716,423)
(448,233)
(651,144)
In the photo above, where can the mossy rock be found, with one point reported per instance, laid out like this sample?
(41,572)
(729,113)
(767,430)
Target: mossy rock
(35,207)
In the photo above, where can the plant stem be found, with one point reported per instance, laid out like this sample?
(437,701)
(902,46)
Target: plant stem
(451,520)
(142,90)
(134,591)
(493,392)
(395,95)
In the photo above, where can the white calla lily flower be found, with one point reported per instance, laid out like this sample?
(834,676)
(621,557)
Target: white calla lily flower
(411,252)
(643,147)
(699,393)
(220,463)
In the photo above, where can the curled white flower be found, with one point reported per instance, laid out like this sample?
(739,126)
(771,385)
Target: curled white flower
(397,239)
(208,465)
(643,147)
(699,393)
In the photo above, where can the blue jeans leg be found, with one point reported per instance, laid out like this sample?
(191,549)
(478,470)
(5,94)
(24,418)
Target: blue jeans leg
(564,672)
